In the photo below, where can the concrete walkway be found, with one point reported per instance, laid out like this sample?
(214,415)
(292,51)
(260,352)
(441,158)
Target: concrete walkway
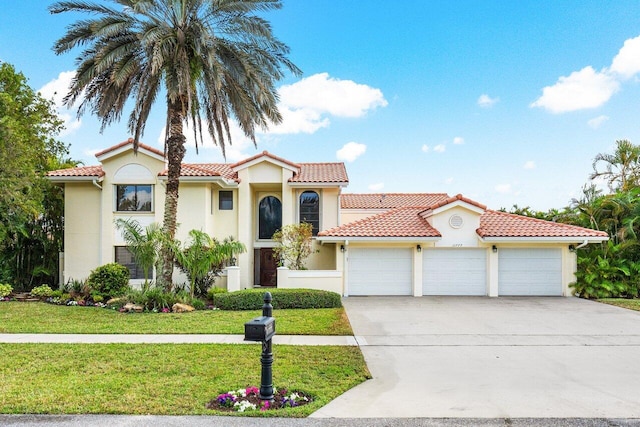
(171,339)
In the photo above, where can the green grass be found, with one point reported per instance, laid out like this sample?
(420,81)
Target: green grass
(20,317)
(631,304)
(164,378)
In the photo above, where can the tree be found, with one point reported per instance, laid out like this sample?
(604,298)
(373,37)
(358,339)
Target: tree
(621,169)
(205,256)
(30,207)
(216,59)
(293,245)
(144,243)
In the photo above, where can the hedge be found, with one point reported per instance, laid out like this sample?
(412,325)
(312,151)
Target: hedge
(253,299)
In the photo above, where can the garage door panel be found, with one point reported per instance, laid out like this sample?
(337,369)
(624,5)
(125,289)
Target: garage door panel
(528,272)
(454,272)
(380,271)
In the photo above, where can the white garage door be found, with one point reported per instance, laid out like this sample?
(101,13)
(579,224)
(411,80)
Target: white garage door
(380,271)
(530,272)
(454,272)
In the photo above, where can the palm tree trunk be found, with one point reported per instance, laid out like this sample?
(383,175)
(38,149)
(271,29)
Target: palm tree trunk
(175,154)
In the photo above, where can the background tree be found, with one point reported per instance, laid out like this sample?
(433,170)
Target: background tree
(31,209)
(216,59)
(621,169)
(293,245)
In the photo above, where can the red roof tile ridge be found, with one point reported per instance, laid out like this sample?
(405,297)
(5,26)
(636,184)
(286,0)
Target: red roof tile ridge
(457,197)
(267,154)
(130,141)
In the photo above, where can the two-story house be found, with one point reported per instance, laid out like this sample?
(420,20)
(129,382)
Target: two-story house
(364,244)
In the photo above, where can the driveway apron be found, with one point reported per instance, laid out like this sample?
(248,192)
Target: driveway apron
(493,357)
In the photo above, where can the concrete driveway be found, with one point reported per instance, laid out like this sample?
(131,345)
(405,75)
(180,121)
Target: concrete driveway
(493,357)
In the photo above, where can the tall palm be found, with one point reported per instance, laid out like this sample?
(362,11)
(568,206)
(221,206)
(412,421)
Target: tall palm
(211,58)
(621,169)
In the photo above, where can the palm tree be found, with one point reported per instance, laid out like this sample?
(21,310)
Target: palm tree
(211,58)
(143,242)
(621,169)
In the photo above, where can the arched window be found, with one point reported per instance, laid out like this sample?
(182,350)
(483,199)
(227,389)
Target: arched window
(270,217)
(310,210)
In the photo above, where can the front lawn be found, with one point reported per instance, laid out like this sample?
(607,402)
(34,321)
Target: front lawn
(20,317)
(164,378)
(631,304)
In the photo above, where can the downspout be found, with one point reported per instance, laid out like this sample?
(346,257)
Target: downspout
(95,182)
(583,244)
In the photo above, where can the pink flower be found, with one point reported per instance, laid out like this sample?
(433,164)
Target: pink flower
(251,390)
(264,405)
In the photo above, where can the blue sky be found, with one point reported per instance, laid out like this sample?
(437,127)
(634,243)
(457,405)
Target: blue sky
(506,102)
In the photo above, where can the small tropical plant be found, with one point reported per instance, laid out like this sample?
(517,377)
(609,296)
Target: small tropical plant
(42,291)
(5,290)
(204,258)
(293,245)
(110,279)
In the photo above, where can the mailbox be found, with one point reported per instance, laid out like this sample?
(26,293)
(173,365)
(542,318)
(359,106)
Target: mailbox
(261,328)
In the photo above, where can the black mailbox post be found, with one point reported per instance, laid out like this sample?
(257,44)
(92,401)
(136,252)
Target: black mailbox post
(263,329)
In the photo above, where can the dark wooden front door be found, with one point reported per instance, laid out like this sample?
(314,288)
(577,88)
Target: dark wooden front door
(268,267)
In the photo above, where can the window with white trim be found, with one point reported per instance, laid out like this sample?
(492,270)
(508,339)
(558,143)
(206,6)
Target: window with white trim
(134,198)
(125,257)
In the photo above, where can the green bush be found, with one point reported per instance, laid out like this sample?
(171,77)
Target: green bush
(110,279)
(213,291)
(5,290)
(56,294)
(42,291)
(198,304)
(253,299)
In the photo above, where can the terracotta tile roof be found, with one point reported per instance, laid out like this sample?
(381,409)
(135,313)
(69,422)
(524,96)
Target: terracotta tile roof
(267,154)
(321,172)
(455,198)
(400,222)
(127,142)
(501,224)
(80,171)
(390,200)
(206,169)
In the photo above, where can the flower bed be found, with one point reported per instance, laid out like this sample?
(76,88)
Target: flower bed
(248,399)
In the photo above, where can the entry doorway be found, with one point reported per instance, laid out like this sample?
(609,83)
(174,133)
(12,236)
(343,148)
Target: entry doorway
(268,269)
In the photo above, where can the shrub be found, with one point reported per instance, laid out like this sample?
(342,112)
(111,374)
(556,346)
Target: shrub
(213,291)
(5,290)
(56,294)
(198,304)
(110,279)
(253,299)
(42,291)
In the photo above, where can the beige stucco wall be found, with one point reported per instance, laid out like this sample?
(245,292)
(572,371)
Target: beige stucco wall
(82,243)
(464,236)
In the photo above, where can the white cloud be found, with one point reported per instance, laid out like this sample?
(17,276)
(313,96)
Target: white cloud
(351,151)
(503,188)
(485,101)
(530,165)
(458,140)
(440,148)
(627,62)
(448,181)
(425,148)
(376,187)
(596,122)
(306,104)
(582,89)
(55,91)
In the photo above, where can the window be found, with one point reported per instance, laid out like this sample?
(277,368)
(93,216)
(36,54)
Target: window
(136,198)
(225,200)
(310,210)
(126,258)
(269,217)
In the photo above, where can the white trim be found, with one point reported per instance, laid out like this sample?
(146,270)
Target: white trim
(544,239)
(223,182)
(298,184)
(76,178)
(265,158)
(457,203)
(417,239)
(129,147)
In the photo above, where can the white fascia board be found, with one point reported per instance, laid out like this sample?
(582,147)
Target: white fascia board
(332,239)
(225,183)
(265,158)
(458,203)
(75,178)
(543,239)
(317,184)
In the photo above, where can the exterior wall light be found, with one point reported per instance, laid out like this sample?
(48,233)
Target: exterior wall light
(494,249)
(419,248)
(342,249)
(572,248)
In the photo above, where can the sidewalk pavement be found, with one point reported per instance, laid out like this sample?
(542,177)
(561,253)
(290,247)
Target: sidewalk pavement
(171,339)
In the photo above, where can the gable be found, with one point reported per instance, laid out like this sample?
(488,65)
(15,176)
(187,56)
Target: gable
(457,225)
